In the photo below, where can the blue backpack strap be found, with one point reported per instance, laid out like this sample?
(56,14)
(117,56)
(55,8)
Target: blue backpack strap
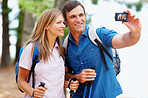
(35,52)
(21,50)
(17,64)
(34,61)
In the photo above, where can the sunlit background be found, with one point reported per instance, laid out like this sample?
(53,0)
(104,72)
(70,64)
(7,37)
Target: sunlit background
(134,63)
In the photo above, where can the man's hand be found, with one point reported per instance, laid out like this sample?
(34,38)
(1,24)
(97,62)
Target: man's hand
(86,75)
(133,24)
(130,38)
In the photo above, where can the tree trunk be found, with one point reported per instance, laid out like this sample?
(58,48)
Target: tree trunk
(29,22)
(5,37)
(59,3)
(19,34)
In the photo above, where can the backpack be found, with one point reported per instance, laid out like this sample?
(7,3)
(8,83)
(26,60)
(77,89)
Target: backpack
(97,41)
(34,61)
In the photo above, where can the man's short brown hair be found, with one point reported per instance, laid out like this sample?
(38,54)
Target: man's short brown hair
(70,5)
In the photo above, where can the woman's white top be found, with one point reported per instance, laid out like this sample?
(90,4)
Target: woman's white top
(51,72)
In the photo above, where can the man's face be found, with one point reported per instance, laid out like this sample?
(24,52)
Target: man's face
(76,20)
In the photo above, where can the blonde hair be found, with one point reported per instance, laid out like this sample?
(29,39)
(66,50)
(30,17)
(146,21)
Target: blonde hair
(39,34)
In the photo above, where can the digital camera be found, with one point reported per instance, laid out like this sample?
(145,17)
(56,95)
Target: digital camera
(121,17)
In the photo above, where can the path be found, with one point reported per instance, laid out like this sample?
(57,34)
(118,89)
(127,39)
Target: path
(8,87)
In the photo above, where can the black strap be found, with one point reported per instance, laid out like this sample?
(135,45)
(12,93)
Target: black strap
(32,71)
(102,48)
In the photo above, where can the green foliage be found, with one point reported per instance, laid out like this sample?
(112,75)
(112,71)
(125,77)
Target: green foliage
(20,27)
(35,7)
(94,1)
(88,18)
(138,6)
(66,31)
(129,6)
(8,10)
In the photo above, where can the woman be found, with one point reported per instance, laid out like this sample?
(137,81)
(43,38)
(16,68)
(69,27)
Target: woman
(50,68)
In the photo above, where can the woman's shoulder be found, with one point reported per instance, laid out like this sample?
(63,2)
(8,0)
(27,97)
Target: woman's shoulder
(28,46)
(26,58)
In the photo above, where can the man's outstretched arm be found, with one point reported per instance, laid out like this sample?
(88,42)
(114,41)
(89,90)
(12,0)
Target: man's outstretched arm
(130,38)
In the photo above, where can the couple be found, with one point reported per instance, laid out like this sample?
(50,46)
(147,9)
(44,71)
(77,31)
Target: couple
(81,53)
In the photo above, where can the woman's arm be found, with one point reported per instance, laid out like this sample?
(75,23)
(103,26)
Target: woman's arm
(22,81)
(23,85)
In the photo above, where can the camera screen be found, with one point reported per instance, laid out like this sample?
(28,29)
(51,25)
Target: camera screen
(121,16)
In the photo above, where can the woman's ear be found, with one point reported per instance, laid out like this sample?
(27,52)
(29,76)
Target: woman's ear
(47,26)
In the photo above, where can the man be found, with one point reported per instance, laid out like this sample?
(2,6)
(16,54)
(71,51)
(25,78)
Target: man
(83,54)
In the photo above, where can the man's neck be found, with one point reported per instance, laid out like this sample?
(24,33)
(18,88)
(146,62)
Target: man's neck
(76,37)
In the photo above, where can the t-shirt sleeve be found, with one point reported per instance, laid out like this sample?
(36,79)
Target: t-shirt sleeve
(106,36)
(26,59)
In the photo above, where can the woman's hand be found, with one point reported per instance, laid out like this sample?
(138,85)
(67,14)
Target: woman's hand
(74,85)
(39,92)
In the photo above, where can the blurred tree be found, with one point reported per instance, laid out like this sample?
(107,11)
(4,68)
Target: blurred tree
(19,32)
(35,7)
(30,10)
(59,3)
(5,36)
(138,4)
(94,1)
(129,4)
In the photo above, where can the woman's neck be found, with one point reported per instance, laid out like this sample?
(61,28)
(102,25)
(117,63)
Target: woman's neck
(51,41)
(51,44)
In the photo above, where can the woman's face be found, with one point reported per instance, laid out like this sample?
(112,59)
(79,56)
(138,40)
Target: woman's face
(57,28)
